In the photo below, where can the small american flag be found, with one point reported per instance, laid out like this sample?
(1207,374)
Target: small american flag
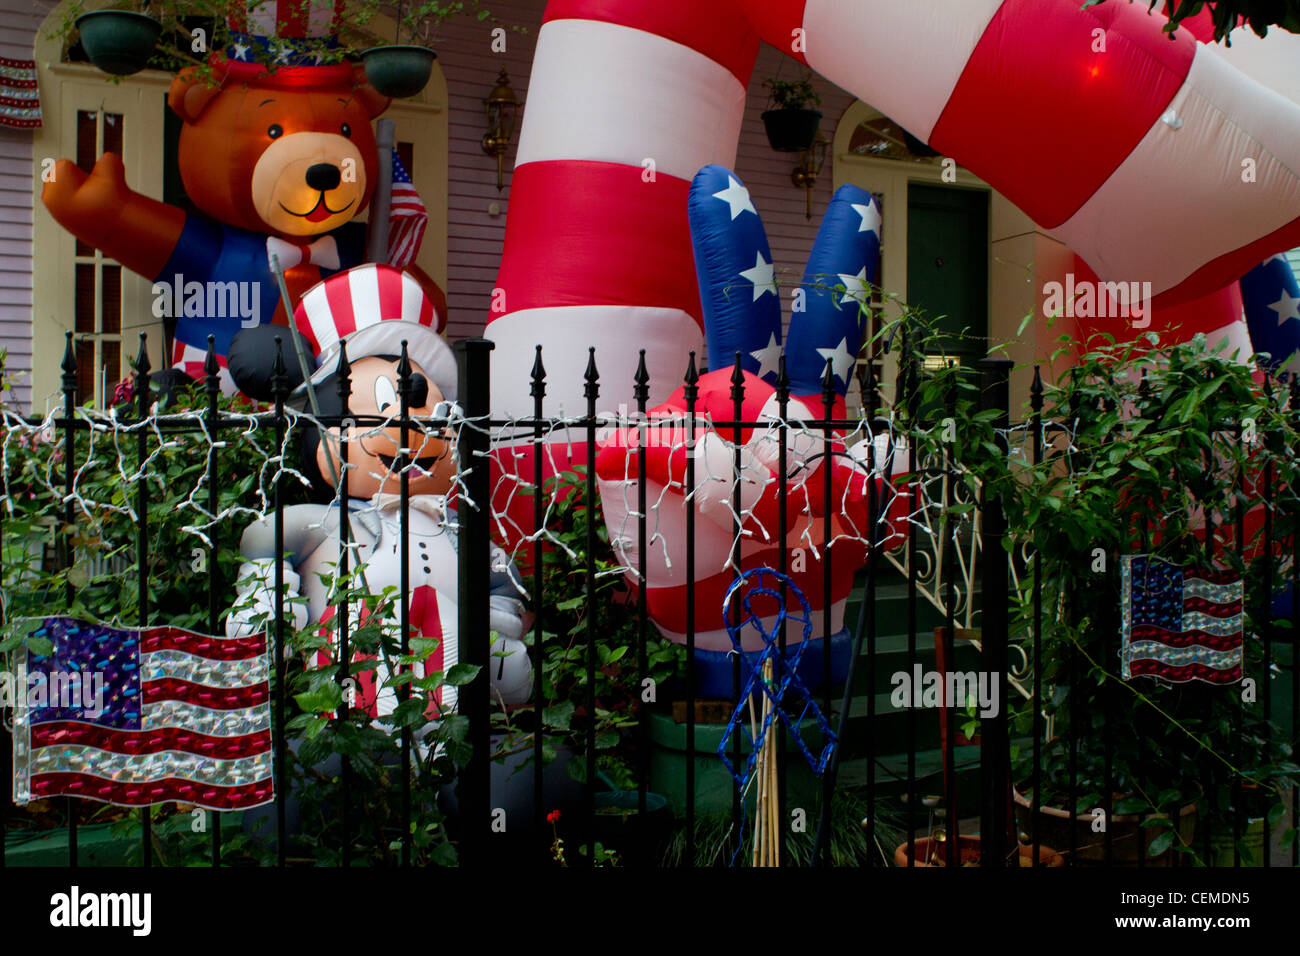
(1179,624)
(20,100)
(406,219)
(136,717)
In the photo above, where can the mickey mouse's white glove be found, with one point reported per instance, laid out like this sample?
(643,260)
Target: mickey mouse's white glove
(506,616)
(511,671)
(254,610)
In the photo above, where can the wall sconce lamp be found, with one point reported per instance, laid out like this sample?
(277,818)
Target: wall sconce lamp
(811,160)
(502,111)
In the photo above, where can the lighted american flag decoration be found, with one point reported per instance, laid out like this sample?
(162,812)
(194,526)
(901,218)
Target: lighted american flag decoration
(1180,625)
(406,219)
(177,716)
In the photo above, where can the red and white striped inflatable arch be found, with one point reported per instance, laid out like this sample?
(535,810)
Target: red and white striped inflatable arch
(1125,144)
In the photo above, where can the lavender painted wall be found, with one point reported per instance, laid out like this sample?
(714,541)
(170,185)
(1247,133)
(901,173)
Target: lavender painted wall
(20,19)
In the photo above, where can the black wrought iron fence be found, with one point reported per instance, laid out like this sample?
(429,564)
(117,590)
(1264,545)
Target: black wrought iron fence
(904,495)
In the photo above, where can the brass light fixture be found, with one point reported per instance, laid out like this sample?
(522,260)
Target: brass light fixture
(502,110)
(811,160)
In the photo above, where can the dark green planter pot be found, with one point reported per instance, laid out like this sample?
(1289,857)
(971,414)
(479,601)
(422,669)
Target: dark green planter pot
(1223,848)
(398,71)
(618,821)
(96,846)
(118,41)
(791,131)
(713,783)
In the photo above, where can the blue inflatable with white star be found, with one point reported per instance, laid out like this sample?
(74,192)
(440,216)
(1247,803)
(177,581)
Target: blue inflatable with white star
(739,293)
(1270,295)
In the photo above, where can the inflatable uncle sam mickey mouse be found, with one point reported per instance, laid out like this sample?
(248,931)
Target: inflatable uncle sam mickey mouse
(373,309)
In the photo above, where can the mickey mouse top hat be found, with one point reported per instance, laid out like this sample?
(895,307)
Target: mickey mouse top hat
(374,308)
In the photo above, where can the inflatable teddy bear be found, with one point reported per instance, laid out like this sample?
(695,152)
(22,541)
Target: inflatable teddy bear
(278,162)
(373,309)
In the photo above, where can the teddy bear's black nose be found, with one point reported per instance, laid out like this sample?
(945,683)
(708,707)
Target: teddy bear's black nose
(323,176)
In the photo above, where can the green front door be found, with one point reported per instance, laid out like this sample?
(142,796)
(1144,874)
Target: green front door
(948,264)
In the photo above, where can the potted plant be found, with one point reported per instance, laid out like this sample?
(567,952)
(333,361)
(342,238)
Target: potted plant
(118,40)
(179,34)
(791,123)
(123,39)
(1144,419)
(1128,434)
(402,69)
(1135,831)
(398,70)
(1237,832)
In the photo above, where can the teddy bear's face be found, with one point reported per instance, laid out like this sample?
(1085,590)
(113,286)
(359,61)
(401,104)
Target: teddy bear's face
(308,181)
(294,162)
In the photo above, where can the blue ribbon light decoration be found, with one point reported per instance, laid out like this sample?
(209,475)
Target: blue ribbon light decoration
(785,673)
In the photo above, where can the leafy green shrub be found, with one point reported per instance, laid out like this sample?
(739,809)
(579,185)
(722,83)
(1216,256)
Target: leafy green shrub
(1143,441)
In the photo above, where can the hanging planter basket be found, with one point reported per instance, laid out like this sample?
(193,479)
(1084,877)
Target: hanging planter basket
(398,71)
(119,42)
(791,131)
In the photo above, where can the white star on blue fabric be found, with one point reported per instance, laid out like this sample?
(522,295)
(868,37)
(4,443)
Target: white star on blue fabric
(870,218)
(241,51)
(856,288)
(737,197)
(840,359)
(768,357)
(1287,307)
(762,275)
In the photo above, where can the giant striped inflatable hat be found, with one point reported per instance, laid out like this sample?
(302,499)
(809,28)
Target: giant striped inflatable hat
(290,34)
(374,308)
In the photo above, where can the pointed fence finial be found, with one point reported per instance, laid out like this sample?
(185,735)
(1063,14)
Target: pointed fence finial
(69,366)
(737,381)
(279,371)
(828,385)
(343,375)
(691,380)
(592,378)
(211,368)
(142,365)
(404,365)
(870,390)
(538,388)
(641,388)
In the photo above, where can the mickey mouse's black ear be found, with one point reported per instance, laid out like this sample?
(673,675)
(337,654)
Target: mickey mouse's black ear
(251,359)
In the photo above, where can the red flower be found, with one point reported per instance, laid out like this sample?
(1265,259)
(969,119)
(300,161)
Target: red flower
(124,392)
(553,816)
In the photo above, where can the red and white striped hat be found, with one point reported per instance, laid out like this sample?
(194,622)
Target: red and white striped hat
(374,308)
(290,19)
